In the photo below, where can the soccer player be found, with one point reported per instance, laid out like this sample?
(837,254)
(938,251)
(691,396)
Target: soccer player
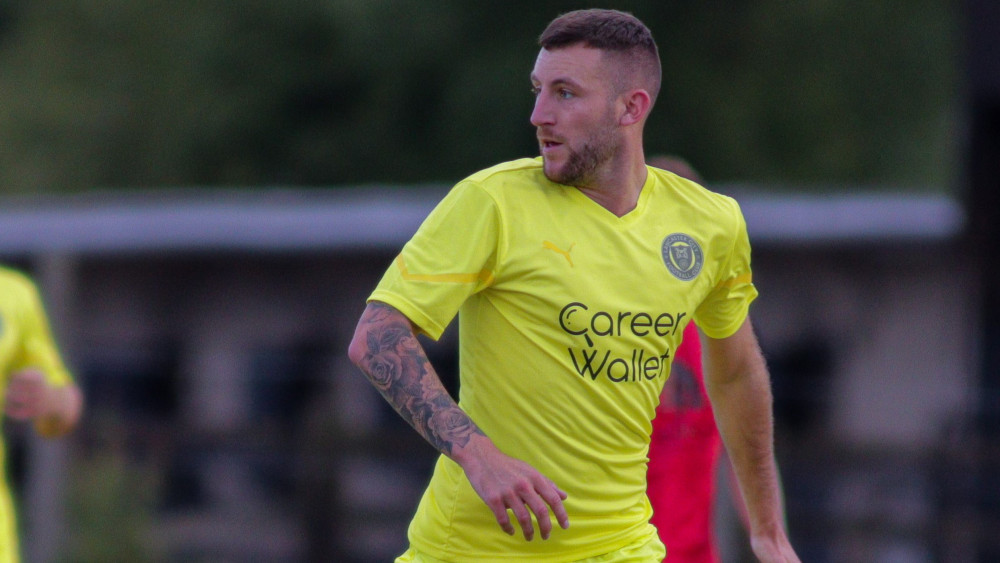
(574,275)
(34,383)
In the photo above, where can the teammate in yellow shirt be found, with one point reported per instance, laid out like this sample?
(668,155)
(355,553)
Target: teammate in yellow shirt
(34,383)
(573,276)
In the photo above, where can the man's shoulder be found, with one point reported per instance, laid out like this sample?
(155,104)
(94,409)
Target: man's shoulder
(696,196)
(504,184)
(513,171)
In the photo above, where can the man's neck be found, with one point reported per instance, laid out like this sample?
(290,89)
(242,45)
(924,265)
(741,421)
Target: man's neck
(618,190)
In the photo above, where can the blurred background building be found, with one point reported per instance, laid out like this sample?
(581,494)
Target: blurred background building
(208,324)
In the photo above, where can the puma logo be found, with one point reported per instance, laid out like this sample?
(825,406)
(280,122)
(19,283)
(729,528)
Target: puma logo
(565,253)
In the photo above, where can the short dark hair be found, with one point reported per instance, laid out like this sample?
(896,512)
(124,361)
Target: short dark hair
(618,34)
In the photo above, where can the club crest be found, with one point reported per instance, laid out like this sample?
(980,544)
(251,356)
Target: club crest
(683,256)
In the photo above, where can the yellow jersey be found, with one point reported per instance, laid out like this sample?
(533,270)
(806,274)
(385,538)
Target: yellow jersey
(568,320)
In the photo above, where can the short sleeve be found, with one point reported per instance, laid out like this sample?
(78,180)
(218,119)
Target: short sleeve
(452,256)
(38,348)
(725,308)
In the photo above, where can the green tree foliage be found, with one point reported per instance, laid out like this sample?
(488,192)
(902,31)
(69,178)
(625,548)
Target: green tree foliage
(815,91)
(138,93)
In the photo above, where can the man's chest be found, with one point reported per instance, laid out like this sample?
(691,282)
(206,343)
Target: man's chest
(643,270)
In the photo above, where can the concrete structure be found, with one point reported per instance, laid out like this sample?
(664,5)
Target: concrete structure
(210,329)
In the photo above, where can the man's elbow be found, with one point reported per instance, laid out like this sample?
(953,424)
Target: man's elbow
(377,319)
(357,350)
(358,347)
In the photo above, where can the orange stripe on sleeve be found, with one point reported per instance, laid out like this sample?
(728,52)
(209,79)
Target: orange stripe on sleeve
(484,276)
(738,280)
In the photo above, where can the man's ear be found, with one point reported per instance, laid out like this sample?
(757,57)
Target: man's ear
(635,106)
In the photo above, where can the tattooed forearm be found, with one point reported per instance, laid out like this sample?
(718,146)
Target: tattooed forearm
(398,367)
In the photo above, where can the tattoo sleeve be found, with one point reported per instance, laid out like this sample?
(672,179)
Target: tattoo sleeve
(398,367)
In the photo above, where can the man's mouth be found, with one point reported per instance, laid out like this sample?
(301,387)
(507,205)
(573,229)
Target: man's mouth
(548,144)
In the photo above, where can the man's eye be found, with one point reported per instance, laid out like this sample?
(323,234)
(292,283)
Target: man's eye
(535,90)
(565,94)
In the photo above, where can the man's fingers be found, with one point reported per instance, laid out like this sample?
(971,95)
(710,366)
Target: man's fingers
(520,510)
(544,500)
(500,512)
(554,496)
(542,516)
(514,487)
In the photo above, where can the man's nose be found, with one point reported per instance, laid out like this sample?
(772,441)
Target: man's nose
(541,114)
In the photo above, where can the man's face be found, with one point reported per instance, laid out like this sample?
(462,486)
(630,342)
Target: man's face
(574,114)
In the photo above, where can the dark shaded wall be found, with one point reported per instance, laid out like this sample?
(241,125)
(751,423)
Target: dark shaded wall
(983,170)
(971,501)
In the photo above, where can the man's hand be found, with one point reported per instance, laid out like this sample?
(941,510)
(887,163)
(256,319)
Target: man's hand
(506,483)
(27,393)
(773,550)
(54,410)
